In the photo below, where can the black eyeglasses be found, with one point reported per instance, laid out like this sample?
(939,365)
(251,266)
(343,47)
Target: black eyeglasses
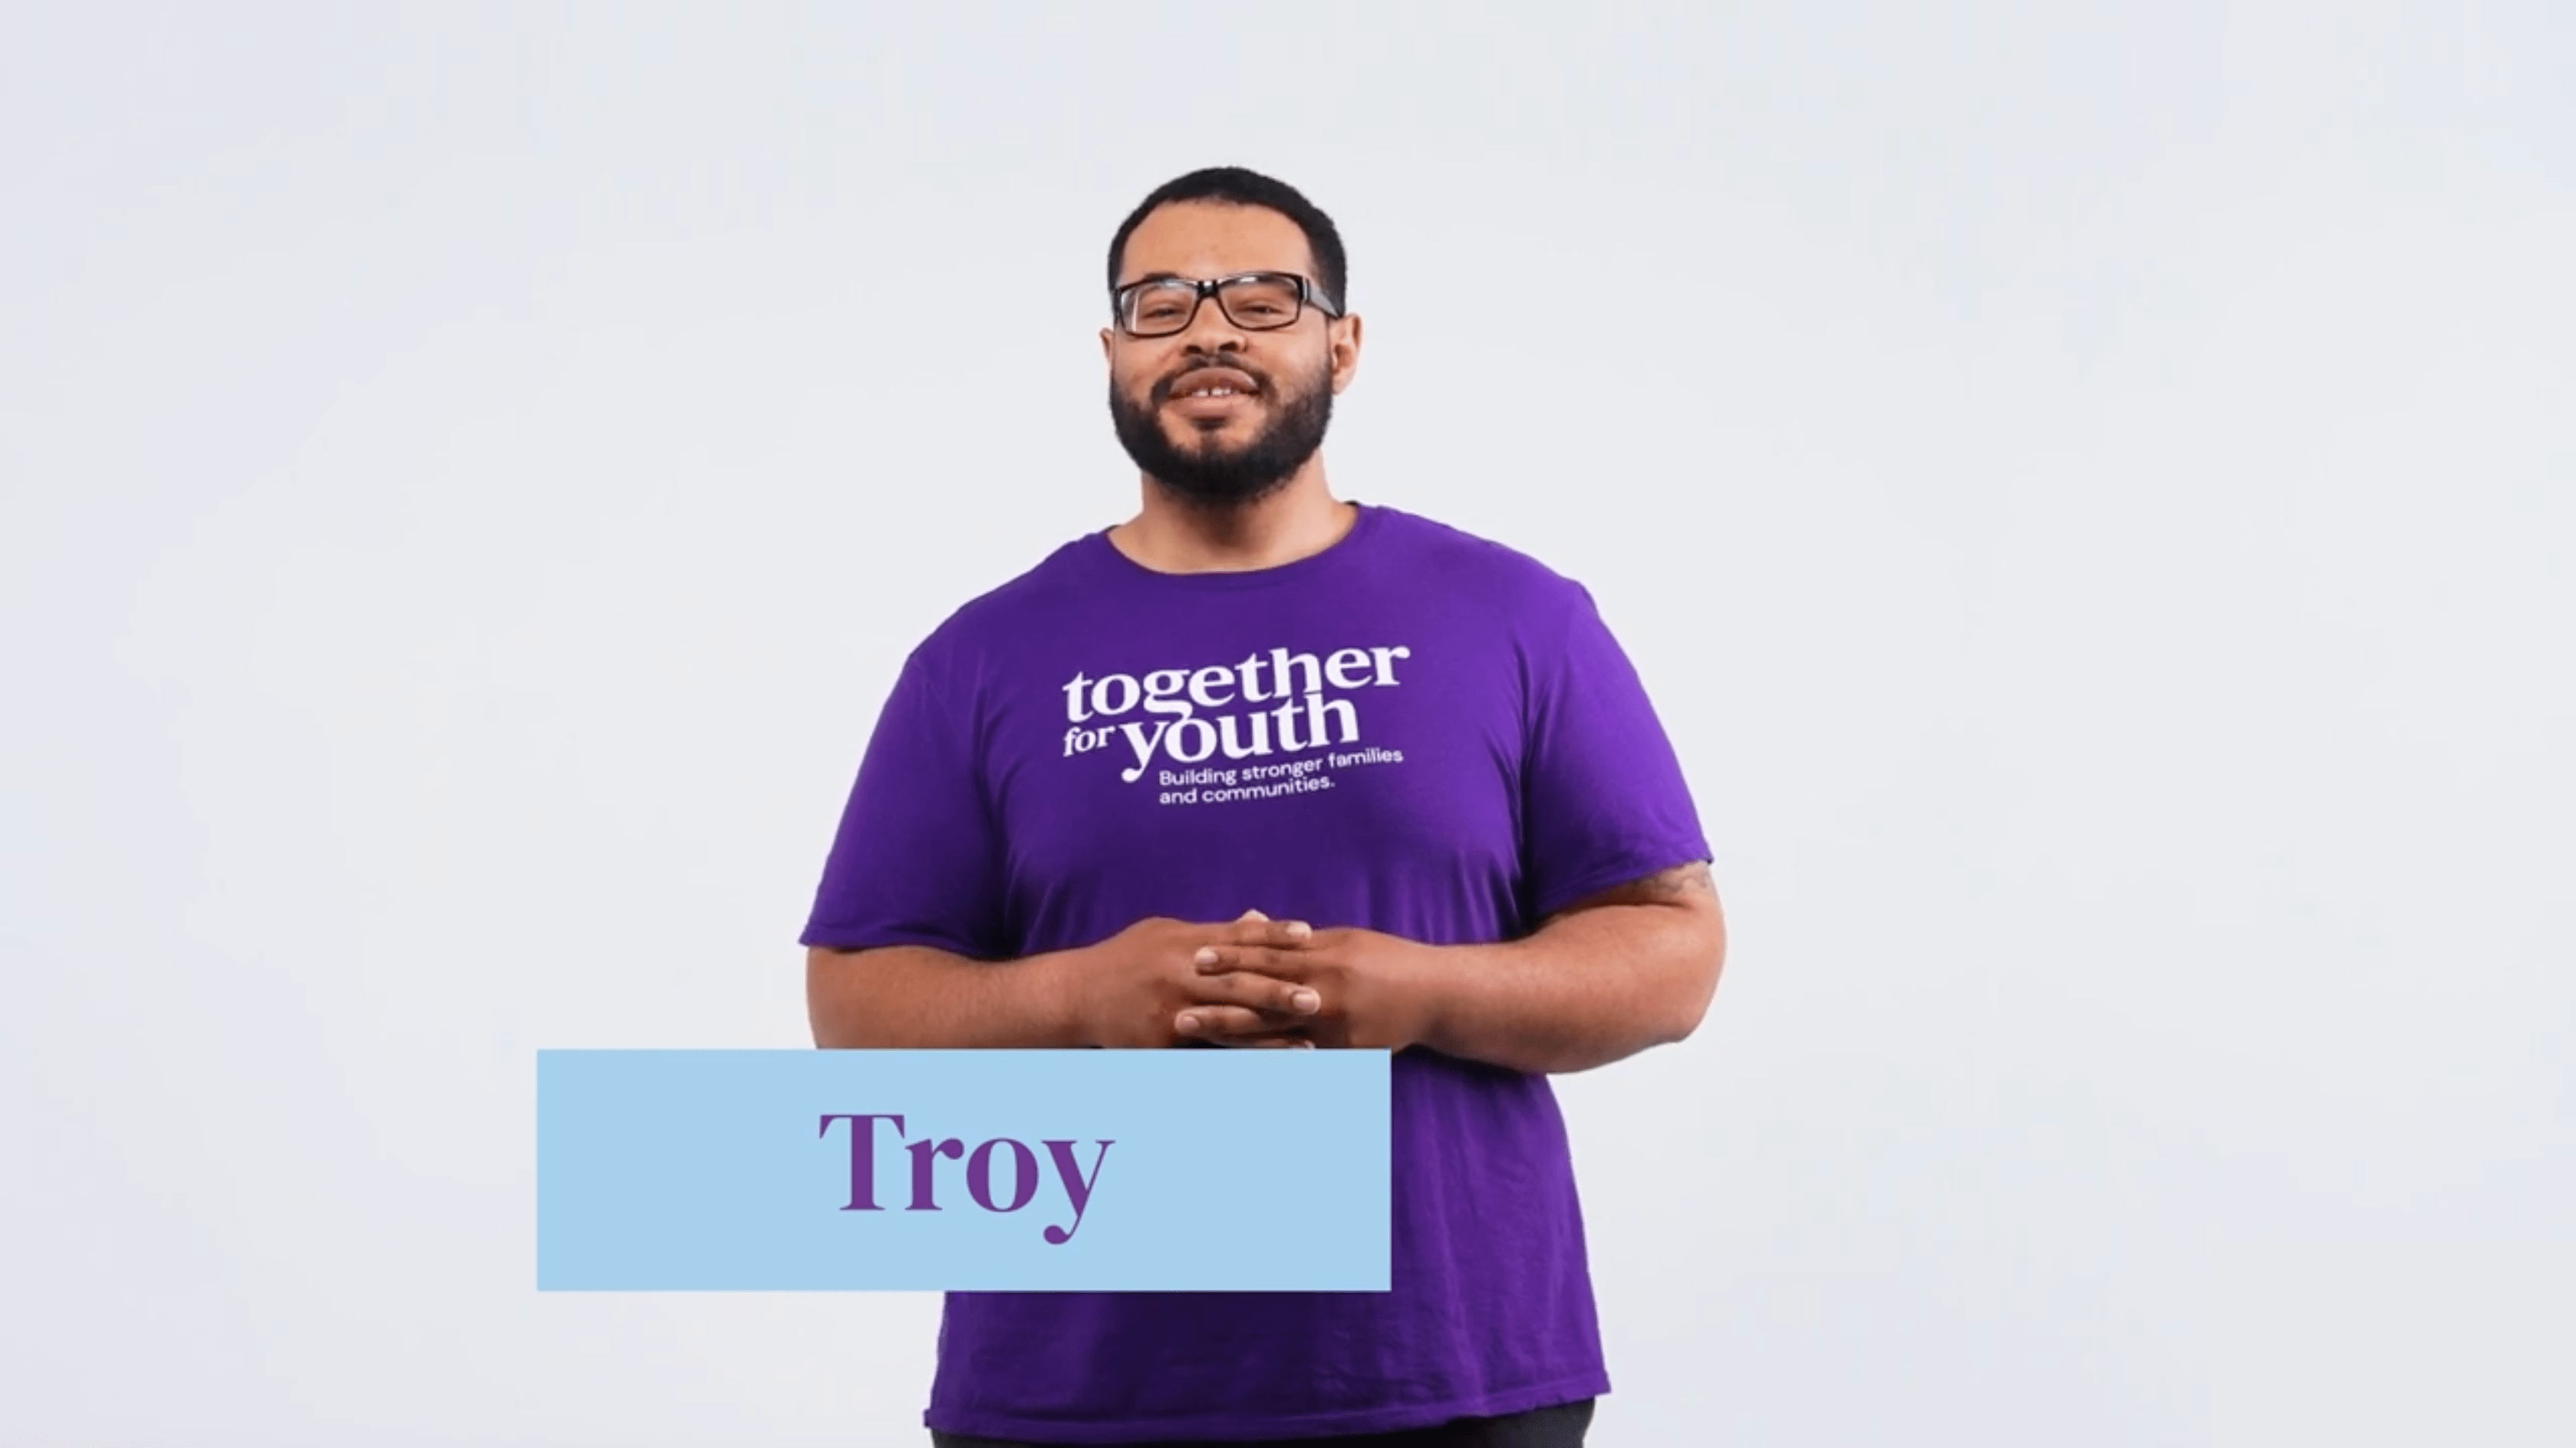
(1254,301)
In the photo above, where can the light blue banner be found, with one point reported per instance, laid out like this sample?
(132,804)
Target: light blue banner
(1178,1171)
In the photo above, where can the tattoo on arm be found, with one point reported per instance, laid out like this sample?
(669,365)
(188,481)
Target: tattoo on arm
(1672,884)
(1661,888)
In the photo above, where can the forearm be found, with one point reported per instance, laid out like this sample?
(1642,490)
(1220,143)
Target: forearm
(912,997)
(1588,988)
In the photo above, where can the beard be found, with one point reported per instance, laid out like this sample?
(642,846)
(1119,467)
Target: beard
(1208,472)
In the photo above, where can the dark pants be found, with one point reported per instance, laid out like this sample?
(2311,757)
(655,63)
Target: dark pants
(1557,1427)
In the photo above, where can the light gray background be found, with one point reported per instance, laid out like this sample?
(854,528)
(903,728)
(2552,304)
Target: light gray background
(2088,487)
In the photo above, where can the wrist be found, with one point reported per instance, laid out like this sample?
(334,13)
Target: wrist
(1448,993)
(1421,994)
(1055,982)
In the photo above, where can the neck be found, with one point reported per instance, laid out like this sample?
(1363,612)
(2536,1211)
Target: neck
(1175,534)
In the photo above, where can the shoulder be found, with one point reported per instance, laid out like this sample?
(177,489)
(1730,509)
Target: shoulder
(1543,617)
(970,644)
(1512,581)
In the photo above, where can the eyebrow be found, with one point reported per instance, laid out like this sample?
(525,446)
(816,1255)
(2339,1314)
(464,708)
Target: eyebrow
(1173,276)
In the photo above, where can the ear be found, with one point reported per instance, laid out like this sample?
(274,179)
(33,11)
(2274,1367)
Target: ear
(1108,341)
(1345,345)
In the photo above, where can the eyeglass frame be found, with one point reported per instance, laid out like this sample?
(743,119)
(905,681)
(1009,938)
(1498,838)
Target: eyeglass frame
(1308,295)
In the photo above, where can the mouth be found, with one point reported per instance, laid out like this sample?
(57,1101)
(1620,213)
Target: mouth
(1211,392)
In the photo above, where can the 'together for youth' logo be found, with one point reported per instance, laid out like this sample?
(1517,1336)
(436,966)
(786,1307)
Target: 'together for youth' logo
(1279,703)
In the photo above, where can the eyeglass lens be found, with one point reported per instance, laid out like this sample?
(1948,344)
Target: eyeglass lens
(1258,303)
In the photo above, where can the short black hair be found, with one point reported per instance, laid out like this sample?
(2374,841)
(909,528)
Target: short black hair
(1235,186)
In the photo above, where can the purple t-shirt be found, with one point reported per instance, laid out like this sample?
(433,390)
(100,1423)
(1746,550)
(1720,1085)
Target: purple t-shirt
(1415,731)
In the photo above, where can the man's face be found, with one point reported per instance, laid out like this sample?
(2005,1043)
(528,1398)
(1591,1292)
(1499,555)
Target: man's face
(1222,414)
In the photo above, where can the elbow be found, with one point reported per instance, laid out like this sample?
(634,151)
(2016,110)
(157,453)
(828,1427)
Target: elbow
(1696,986)
(1678,1025)
(1669,1008)
(1673,1019)
(835,1035)
(834,1011)
(844,1026)
(833,1031)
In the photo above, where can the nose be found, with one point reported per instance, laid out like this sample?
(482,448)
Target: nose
(1212,330)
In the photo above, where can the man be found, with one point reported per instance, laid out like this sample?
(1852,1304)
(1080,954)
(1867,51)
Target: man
(1262,768)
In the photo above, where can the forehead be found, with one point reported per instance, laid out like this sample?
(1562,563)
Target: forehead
(1210,239)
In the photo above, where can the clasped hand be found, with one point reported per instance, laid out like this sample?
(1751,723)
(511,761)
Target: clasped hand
(1255,982)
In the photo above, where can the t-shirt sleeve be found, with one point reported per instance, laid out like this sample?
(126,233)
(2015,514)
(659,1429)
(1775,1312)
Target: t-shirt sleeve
(915,860)
(1604,800)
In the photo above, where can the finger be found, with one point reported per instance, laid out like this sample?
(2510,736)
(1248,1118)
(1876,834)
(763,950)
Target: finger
(1255,928)
(1259,1030)
(1283,962)
(1257,959)
(1286,998)
(1239,1026)
(1276,1041)
(1217,1022)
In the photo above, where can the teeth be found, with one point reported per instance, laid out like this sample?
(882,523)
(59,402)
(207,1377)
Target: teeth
(1211,392)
